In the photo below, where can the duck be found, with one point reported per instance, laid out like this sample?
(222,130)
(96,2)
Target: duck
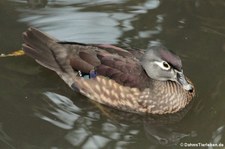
(143,81)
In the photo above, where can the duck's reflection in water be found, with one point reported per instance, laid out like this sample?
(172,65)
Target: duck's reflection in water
(104,127)
(165,135)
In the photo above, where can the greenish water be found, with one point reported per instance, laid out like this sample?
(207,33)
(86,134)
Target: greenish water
(38,111)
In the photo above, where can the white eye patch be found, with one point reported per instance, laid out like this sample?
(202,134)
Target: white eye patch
(163,64)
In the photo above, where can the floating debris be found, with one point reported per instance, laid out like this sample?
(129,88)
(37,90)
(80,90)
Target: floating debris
(15,53)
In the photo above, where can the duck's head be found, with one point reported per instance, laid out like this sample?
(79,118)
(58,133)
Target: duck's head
(163,65)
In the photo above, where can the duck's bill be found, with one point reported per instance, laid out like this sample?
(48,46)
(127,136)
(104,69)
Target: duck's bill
(183,82)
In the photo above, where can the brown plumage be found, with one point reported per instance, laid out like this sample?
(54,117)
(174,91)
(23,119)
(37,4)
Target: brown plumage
(122,80)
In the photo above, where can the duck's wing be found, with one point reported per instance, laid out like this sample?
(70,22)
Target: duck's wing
(123,67)
(110,61)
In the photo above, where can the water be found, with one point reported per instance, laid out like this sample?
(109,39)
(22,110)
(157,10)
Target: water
(38,111)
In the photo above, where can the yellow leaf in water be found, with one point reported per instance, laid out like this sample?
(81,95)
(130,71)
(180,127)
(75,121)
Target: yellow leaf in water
(15,53)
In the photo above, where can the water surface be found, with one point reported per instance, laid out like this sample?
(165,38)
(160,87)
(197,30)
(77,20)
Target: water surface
(38,111)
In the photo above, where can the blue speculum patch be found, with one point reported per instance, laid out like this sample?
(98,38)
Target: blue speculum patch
(90,75)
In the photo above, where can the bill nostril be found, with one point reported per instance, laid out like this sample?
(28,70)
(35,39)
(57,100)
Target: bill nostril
(191,90)
(188,87)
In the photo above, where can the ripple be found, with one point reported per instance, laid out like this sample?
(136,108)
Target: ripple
(60,111)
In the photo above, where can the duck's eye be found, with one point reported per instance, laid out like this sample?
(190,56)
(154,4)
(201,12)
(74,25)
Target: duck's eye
(163,64)
(166,65)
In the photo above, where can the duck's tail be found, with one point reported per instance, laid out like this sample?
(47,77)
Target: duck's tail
(47,52)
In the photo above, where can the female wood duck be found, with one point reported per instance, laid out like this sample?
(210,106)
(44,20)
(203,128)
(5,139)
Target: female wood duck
(134,81)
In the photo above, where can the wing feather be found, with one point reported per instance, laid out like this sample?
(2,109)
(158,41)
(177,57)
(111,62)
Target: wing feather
(110,61)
